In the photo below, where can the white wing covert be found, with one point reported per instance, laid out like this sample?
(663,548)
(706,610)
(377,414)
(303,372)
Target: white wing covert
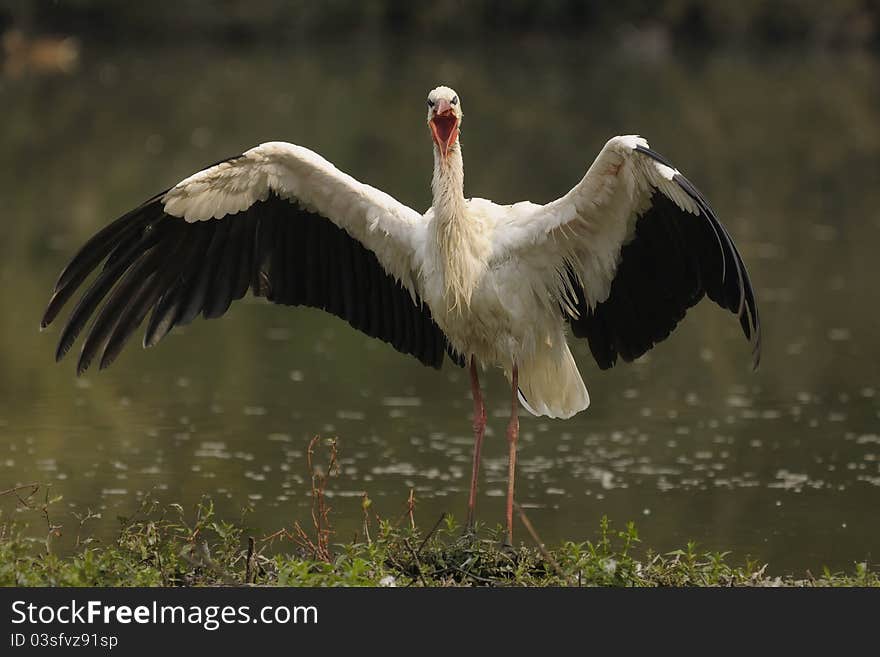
(385,226)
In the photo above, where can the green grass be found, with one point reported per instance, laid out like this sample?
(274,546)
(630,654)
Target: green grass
(166,546)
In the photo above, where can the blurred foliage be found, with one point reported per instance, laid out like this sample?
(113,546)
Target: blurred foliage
(692,21)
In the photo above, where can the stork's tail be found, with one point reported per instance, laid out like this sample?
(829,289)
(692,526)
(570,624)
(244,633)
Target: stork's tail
(551,385)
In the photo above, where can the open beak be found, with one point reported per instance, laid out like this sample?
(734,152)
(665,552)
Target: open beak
(444,126)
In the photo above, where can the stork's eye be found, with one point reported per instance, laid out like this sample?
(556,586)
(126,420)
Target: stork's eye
(430,103)
(455,100)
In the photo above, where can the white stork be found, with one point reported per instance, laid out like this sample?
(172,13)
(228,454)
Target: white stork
(617,260)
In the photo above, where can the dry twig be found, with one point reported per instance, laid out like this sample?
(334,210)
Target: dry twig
(531,530)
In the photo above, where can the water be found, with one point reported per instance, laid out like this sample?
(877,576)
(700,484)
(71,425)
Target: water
(782,465)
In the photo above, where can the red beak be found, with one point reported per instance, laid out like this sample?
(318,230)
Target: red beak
(444,126)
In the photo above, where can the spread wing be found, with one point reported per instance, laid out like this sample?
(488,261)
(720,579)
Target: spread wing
(631,247)
(279,220)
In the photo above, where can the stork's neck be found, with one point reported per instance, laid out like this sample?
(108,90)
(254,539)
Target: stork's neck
(448,184)
(459,237)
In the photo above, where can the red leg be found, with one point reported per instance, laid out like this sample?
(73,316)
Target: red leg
(512,437)
(479,430)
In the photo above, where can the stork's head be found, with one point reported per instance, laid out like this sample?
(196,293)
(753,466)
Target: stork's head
(444,118)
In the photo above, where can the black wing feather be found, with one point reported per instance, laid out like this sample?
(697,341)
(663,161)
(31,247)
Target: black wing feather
(145,298)
(221,292)
(202,275)
(170,307)
(140,271)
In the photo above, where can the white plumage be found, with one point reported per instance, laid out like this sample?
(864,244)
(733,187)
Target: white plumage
(617,260)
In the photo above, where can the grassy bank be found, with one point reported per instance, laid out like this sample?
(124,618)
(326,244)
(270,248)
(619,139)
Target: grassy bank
(168,546)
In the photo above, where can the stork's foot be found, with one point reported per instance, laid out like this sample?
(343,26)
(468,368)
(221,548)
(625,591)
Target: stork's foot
(468,538)
(506,548)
